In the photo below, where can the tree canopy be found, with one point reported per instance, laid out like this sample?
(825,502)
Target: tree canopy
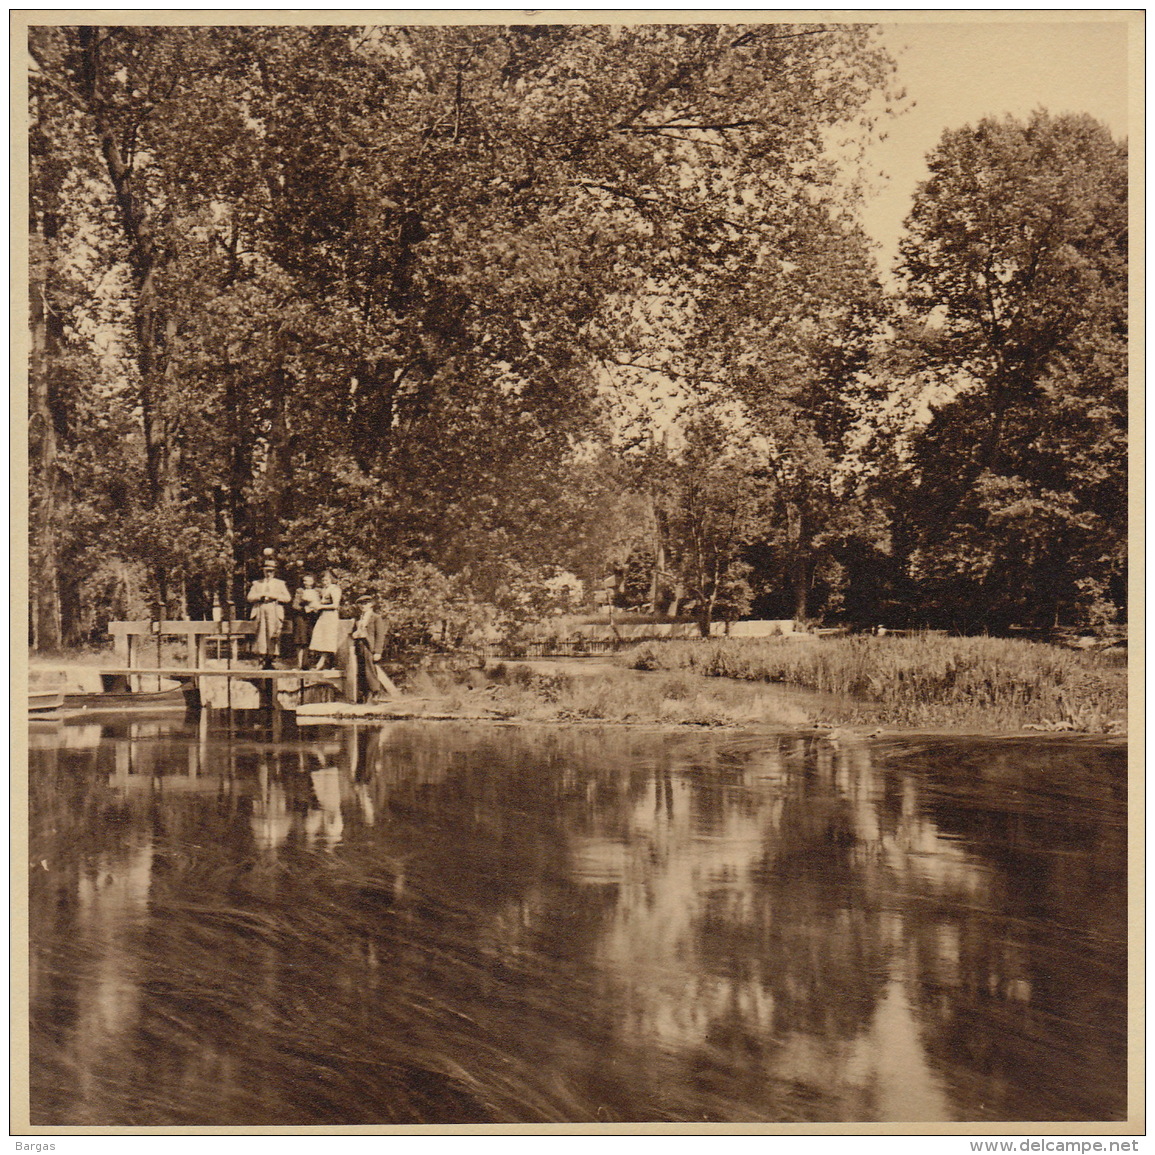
(367,274)
(379,296)
(1016,258)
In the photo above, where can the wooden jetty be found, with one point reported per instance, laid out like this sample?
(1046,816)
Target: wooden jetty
(129,639)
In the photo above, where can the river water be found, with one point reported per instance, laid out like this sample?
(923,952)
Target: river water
(236,921)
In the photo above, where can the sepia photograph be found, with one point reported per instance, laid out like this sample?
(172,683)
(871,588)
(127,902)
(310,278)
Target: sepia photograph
(572,568)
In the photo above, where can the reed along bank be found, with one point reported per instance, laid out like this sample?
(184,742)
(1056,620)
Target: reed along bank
(923,680)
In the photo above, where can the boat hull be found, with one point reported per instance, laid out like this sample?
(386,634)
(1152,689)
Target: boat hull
(118,701)
(44,701)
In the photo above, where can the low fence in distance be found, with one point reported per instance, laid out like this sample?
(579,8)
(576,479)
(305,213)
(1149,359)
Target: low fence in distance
(555,648)
(606,639)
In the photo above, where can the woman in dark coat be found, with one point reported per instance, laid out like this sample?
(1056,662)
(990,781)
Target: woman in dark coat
(306,606)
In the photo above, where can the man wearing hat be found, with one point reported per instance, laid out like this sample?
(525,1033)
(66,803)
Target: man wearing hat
(268,596)
(369,637)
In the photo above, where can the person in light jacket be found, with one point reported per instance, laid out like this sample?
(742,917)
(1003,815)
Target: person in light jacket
(268,596)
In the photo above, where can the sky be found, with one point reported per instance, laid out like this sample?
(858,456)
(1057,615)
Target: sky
(957,73)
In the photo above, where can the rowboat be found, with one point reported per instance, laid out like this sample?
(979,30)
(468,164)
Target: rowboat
(128,700)
(44,700)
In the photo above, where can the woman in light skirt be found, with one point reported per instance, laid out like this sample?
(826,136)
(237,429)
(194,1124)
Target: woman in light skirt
(325,632)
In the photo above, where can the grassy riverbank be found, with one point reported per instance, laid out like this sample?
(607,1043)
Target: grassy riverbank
(613,695)
(985,684)
(990,683)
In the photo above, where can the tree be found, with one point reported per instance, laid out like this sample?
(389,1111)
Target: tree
(776,298)
(710,496)
(370,271)
(104,100)
(810,331)
(80,426)
(1016,260)
(785,335)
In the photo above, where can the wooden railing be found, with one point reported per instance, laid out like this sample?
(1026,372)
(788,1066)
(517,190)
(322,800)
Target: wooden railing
(129,637)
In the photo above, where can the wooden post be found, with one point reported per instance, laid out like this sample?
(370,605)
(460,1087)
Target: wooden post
(349,667)
(133,684)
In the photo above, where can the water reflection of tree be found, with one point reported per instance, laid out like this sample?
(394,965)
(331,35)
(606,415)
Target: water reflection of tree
(746,923)
(89,875)
(360,994)
(560,926)
(1030,981)
(835,932)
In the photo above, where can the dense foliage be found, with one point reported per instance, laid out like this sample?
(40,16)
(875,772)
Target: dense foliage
(458,311)
(1014,499)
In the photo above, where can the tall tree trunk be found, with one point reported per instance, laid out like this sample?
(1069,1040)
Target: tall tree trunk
(659,571)
(234,516)
(46,623)
(800,587)
(278,466)
(150,361)
(706,614)
(656,575)
(799,566)
(147,258)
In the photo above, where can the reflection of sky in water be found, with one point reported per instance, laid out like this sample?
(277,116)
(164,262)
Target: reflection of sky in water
(670,873)
(112,896)
(786,916)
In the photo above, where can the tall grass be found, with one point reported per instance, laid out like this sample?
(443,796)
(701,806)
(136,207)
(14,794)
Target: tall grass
(677,698)
(922,680)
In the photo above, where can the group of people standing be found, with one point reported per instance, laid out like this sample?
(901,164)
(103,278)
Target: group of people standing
(314,614)
(315,611)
